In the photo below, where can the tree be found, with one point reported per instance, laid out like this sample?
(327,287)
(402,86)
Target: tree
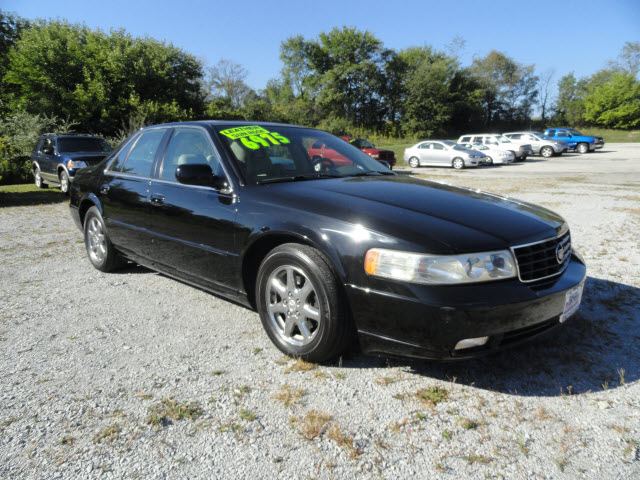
(544,92)
(615,103)
(228,79)
(629,59)
(510,88)
(99,80)
(11,27)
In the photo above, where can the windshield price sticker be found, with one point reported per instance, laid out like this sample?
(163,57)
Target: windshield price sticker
(254,137)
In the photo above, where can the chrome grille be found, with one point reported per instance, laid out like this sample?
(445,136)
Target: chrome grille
(539,260)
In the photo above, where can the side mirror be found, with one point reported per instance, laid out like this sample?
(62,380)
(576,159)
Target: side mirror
(200,174)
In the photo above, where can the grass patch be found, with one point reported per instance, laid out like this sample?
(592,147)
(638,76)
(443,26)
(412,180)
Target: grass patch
(168,409)
(471,459)
(109,434)
(300,366)
(247,415)
(313,424)
(28,194)
(432,396)
(344,441)
(289,396)
(613,136)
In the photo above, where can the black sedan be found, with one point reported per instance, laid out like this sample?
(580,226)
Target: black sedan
(324,250)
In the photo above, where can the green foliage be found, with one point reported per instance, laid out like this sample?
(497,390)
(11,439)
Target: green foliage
(18,136)
(615,103)
(101,79)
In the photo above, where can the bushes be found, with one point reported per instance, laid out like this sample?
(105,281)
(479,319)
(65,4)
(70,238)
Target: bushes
(18,136)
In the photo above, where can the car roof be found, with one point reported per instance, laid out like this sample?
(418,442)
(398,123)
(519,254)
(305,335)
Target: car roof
(238,123)
(479,134)
(69,134)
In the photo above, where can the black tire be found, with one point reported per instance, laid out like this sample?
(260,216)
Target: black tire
(64,182)
(37,178)
(489,160)
(546,152)
(515,157)
(100,250)
(457,163)
(414,162)
(333,332)
(582,148)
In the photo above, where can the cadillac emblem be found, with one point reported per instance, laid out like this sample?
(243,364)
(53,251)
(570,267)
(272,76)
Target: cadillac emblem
(559,253)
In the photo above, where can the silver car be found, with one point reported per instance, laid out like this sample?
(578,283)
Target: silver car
(539,144)
(441,153)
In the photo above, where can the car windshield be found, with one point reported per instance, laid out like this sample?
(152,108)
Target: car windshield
(574,132)
(278,153)
(503,139)
(361,143)
(453,145)
(82,144)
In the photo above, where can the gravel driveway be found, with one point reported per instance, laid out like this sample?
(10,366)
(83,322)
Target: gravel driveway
(136,375)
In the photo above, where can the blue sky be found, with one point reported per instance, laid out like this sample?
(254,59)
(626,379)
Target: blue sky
(580,36)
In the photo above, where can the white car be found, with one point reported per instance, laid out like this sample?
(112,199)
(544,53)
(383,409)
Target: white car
(492,154)
(441,153)
(498,141)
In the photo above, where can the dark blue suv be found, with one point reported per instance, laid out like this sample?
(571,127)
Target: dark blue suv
(57,157)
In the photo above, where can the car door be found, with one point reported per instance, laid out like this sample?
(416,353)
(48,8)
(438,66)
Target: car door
(441,155)
(425,153)
(193,227)
(47,160)
(124,192)
(534,141)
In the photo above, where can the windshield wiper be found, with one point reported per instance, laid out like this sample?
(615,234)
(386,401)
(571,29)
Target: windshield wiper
(298,178)
(370,173)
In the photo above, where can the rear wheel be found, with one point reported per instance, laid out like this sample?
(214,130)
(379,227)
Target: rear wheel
(458,163)
(489,160)
(414,162)
(37,178)
(64,182)
(102,254)
(546,152)
(301,305)
(582,148)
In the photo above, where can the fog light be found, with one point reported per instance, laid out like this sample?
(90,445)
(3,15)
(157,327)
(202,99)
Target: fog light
(471,342)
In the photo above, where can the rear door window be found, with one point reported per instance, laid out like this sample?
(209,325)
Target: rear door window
(551,133)
(188,146)
(140,158)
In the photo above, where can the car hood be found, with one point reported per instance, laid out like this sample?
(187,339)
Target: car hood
(83,155)
(439,217)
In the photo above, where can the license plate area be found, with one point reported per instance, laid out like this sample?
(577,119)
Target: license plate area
(571,302)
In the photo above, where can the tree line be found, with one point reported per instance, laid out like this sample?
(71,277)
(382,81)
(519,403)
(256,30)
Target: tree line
(55,75)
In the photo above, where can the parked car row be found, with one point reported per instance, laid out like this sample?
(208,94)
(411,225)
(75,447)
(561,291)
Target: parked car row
(473,150)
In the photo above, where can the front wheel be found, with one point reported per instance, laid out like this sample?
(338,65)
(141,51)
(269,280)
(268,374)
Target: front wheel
(301,305)
(546,152)
(64,182)
(414,162)
(458,163)
(102,254)
(37,178)
(582,148)
(489,160)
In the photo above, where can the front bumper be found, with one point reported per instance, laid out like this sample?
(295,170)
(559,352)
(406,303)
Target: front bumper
(427,322)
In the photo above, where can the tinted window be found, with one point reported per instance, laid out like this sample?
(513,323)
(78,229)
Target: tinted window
(465,139)
(188,146)
(141,156)
(551,133)
(121,153)
(563,133)
(425,146)
(477,139)
(82,144)
(47,146)
(515,136)
(437,146)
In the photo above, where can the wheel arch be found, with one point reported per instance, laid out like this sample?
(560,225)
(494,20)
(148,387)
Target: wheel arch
(260,247)
(86,203)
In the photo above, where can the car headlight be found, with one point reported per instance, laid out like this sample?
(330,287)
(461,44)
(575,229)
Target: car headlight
(440,269)
(71,164)
(474,156)
(375,156)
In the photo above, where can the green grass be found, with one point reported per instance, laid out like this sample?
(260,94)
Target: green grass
(29,194)
(613,136)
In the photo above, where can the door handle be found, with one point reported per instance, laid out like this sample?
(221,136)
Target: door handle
(157,199)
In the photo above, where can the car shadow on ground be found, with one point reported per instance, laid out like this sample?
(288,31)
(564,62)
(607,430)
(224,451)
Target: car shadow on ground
(24,199)
(597,349)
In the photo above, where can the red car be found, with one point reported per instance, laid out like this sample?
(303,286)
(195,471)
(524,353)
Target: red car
(319,149)
(371,150)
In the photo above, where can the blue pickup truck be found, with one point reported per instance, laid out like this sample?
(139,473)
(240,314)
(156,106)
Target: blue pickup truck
(577,141)
(56,157)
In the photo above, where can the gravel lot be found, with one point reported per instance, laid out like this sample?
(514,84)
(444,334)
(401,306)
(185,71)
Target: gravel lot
(137,375)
